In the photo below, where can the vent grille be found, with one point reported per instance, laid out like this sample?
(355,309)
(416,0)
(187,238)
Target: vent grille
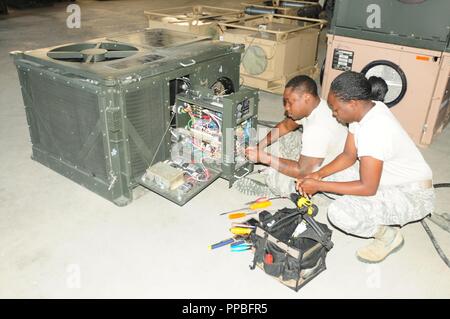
(65,120)
(143,108)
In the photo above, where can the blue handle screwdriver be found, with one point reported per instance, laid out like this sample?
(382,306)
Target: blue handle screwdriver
(241,247)
(221,243)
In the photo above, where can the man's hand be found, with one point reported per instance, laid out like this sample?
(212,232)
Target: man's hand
(256,155)
(308,186)
(316,176)
(252,154)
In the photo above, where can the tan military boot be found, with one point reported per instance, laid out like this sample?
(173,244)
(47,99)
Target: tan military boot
(387,241)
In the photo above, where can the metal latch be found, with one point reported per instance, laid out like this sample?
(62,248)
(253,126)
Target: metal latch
(187,64)
(247,171)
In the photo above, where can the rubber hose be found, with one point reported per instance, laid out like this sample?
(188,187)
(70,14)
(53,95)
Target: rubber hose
(435,243)
(443,220)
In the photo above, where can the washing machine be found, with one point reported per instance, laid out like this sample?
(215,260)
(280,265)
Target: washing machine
(411,57)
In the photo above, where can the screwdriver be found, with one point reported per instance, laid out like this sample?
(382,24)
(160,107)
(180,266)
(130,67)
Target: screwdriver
(238,243)
(240,231)
(265,199)
(240,215)
(242,247)
(222,243)
(243,225)
(254,206)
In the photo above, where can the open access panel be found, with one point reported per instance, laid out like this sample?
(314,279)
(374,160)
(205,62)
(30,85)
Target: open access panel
(208,136)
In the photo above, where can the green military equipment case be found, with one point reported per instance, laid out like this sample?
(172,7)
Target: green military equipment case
(98,111)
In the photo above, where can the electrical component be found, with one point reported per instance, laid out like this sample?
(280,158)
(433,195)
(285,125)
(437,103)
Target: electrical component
(186,187)
(202,132)
(218,128)
(208,139)
(165,175)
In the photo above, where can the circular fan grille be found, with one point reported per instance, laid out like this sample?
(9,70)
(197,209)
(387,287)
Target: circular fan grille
(254,60)
(92,52)
(394,77)
(223,86)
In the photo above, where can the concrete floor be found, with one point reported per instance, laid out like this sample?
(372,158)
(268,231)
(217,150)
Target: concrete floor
(59,240)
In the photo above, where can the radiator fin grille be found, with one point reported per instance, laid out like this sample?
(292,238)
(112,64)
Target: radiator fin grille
(65,117)
(143,108)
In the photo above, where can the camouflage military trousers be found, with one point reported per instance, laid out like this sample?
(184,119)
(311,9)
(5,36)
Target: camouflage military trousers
(288,147)
(391,206)
(395,205)
(356,215)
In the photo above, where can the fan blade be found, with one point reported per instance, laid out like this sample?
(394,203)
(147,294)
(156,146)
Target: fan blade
(64,55)
(119,54)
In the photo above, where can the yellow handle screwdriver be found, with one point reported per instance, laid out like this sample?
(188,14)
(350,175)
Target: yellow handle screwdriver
(240,231)
(254,206)
(260,205)
(239,215)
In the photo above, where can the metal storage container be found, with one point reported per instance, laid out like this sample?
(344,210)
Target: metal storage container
(276,50)
(439,112)
(308,9)
(198,19)
(414,23)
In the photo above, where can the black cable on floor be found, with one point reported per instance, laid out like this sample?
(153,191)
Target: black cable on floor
(441,185)
(435,243)
(441,220)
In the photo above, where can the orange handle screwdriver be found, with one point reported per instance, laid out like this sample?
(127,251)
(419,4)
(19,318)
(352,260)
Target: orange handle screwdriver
(239,215)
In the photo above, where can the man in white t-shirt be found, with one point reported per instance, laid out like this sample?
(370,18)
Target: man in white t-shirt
(322,139)
(395,182)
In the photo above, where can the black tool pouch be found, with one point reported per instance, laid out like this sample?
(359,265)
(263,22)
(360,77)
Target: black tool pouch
(293,261)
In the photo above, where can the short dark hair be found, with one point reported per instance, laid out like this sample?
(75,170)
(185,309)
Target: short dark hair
(303,83)
(351,86)
(379,88)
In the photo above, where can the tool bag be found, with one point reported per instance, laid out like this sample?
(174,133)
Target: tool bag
(294,261)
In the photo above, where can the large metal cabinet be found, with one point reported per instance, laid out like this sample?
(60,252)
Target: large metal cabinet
(414,23)
(405,43)
(97,110)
